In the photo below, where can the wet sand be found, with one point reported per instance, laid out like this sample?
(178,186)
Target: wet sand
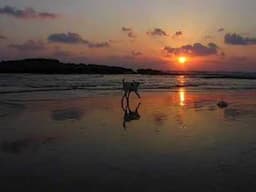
(175,141)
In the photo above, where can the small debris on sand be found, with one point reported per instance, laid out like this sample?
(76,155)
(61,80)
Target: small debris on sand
(222,104)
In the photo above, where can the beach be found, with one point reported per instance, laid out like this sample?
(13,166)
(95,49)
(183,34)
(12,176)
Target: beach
(128,96)
(177,140)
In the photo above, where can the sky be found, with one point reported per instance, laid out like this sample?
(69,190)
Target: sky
(217,35)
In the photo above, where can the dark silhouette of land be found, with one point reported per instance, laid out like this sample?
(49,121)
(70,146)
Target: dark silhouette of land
(152,72)
(53,66)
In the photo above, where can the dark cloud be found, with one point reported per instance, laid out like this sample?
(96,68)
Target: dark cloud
(69,38)
(136,53)
(74,38)
(131,35)
(29,45)
(47,15)
(213,45)
(126,29)
(157,32)
(114,41)
(236,39)
(2,37)
(130,32)
(221,30)
(196,50)
(98,45)
(27,13)
(178,33)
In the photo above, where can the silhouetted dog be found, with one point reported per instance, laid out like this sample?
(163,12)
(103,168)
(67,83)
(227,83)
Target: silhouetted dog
(129,87)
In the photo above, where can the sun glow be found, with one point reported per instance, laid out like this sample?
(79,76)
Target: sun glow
(182,60)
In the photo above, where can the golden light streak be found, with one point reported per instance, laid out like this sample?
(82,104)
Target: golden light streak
(182,97)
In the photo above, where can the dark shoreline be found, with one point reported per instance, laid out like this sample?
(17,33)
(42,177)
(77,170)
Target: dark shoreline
(54,67)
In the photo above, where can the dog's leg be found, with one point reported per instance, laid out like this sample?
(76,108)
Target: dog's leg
(122,102)
(124,124)
(136,92)
(128,95)
(137,108)
(125,93)
(128,106)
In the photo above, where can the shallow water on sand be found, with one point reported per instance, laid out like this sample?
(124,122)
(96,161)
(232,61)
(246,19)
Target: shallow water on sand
(175,141)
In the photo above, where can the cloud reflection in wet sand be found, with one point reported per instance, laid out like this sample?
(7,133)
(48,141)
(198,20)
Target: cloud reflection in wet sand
(10,109)
(233,114)
(67,114)
(160,118)
(206,148)
(22,145)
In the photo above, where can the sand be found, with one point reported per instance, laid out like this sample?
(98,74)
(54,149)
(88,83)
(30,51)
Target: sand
(176,141)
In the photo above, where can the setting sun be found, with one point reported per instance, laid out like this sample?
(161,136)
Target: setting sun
(182,60)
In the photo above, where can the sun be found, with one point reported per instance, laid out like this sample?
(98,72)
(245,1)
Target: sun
(182,59)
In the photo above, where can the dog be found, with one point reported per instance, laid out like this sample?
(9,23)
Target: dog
(129,87)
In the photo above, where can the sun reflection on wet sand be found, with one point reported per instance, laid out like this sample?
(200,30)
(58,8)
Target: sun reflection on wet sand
(177,138)
(181,80)
(182,96)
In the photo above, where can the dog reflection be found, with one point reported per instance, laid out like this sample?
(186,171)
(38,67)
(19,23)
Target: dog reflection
(130,115)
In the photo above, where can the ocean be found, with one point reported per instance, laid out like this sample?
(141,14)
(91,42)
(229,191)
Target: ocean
(96,84)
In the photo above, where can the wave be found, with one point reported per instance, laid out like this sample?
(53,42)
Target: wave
(230,76)
(91,83)
(166,88)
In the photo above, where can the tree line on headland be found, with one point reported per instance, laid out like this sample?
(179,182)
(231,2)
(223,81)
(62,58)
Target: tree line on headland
(52,66)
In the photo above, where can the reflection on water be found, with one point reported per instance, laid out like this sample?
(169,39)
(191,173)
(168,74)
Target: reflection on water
(237,113)
(67,114)
(19,146)
(208,155)
(181,81)
(10,109)
(129,115)
(160,118)
(182,97)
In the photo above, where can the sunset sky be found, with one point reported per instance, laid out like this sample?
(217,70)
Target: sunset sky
(211,34)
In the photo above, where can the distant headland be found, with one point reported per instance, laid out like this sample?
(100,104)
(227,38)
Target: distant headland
(54,66)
